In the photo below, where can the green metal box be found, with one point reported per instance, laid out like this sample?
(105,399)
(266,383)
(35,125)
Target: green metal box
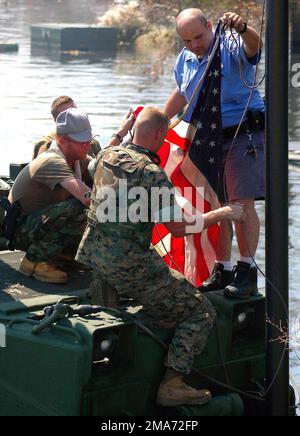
(104,365)
(53,38)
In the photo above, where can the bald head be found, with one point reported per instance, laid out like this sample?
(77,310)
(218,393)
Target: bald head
(150,119)
(188,15)
(151,128)
(195,31)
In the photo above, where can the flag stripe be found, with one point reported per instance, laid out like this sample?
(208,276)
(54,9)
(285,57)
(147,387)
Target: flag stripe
(175,159)
(191,157)
(197,179)
(160,232)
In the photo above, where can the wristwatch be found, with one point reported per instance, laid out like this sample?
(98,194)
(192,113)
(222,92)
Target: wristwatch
(119,137)
(244,29)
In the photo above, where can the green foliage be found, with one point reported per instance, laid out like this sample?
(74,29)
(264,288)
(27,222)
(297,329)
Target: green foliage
(151,23)
(155,9)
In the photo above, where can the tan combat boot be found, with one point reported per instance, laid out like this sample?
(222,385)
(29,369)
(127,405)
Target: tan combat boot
(42,271)
(174,392)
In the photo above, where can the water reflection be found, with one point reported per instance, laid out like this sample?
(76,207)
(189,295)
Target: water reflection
(104,87)
(65,57)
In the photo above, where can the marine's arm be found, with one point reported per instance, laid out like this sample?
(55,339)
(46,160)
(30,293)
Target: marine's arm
(182,221)
(232,212)
(77,189)
(53,171)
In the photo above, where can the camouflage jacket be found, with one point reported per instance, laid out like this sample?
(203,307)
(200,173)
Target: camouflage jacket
(124,171)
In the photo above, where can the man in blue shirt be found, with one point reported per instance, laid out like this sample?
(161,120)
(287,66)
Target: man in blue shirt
(243,158)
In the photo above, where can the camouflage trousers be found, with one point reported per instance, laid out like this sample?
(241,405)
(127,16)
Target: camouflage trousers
(168,299)
(46,233)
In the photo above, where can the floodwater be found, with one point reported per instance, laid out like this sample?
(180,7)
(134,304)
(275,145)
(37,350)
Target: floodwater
(105,89)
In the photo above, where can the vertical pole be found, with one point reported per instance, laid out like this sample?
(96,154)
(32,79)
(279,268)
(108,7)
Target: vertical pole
(277,204)
(295,22)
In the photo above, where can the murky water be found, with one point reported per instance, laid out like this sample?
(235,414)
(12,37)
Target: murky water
(105,89)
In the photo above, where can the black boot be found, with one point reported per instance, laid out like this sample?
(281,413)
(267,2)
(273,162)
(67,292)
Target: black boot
(244,284)
(218,280)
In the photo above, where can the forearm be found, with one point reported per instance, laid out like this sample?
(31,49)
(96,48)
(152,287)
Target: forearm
(196,224)
(205,221)
(116,140)
(125,126)
(174,105)
(252,42)
(214,217)
(77,189)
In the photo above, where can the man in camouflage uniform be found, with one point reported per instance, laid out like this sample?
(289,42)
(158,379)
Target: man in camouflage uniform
(119,253)
(45,234)
(60,104)
(53,196)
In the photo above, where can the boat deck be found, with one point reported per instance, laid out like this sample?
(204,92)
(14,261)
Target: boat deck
(14,286)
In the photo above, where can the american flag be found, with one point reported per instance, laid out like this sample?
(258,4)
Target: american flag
(191,157)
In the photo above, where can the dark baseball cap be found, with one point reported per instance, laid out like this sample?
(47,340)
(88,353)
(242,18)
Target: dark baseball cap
(75,124)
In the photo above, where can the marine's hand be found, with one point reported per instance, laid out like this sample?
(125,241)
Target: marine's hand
(235,212)
(233,21)
(126,123)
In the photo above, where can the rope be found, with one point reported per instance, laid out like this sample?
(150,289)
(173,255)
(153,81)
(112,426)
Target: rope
(254,86)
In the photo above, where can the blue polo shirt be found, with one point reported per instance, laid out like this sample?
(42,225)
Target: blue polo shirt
(234,96)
